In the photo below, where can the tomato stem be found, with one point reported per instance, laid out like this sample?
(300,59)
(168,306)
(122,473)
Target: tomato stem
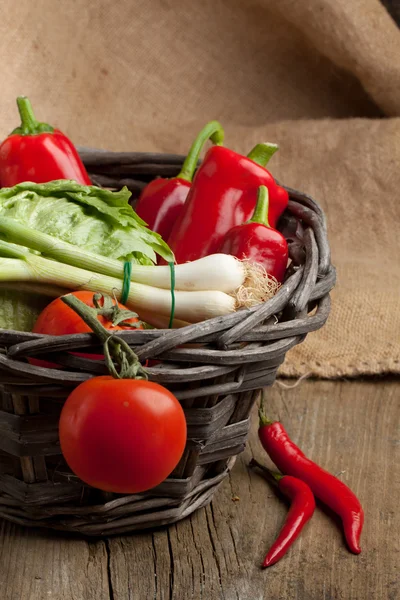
(116,350)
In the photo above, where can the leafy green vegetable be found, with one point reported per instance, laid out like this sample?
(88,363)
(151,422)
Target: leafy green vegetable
(92,218)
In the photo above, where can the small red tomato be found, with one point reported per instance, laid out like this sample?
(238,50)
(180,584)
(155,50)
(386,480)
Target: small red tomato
(58,319)
(122,435)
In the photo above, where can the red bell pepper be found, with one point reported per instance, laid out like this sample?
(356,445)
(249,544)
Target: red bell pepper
(37,152)
(257,241)
(223,195)
(162,200)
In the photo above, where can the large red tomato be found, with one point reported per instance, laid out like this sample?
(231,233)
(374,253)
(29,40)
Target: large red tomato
(59,319)
(122,435)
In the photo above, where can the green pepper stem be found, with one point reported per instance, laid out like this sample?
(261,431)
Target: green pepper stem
(28,120)
(270,475)
(260,214)
(114,347)
(261,153)
(29,124)
(212,131)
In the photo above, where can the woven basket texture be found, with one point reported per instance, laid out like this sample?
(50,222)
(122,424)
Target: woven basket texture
(217,376)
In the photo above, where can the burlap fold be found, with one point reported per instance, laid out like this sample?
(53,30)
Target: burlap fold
(315,76)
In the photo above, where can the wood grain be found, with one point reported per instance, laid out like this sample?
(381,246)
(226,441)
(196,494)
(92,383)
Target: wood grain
(351,428)
(36,566)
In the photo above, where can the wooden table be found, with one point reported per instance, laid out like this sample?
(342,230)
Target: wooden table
(352,428)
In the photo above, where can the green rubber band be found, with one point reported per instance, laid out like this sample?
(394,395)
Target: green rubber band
(171,318)
(126,286)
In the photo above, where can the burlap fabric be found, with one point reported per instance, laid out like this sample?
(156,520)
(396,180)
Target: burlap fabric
(319,77)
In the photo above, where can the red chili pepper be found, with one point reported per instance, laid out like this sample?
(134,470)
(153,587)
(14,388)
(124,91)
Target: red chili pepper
(301,510)
(257,241)
(223,195)
(329,489)
(161,201)
(37,152)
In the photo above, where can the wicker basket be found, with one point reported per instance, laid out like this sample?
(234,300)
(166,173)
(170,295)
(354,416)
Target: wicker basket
(217,382)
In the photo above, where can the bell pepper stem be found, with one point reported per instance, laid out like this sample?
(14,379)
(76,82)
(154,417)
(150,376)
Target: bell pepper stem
(212,131)
(261,153)
(260,214)
(28,120)
(270,475)
(29,124)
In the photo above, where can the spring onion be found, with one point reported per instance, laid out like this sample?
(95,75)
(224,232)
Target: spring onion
(189,306)
(216,272)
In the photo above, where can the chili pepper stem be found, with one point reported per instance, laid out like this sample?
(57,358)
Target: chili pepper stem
(212,131)
(260,214)
(29,124)
(262,153)
(272,476)
(261,414)
(114,347)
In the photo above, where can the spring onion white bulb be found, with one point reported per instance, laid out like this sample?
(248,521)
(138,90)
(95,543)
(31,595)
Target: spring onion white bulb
(220,272)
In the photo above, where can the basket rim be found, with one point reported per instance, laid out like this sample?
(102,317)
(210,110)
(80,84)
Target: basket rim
(306,284)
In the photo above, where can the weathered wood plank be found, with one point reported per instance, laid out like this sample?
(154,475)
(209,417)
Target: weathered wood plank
(352,428)
(39,566)
(349,427)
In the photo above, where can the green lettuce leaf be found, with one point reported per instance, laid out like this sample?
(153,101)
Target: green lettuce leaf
(92,218)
